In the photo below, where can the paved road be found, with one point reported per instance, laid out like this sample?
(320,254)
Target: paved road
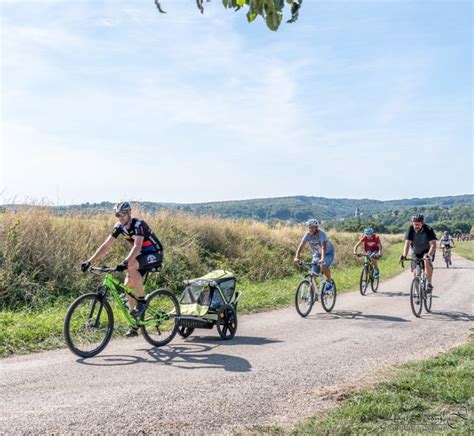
(277,370)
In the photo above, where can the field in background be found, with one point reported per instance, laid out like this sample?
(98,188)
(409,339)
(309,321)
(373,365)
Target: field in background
(40,253)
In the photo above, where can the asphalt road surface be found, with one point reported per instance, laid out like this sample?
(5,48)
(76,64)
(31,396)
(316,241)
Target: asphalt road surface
(279,368)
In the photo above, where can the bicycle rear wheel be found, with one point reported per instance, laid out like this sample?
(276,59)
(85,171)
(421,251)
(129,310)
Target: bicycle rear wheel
(415,297)
(328,297)
(88,325)
(158,322)
(304,298)
(364,280)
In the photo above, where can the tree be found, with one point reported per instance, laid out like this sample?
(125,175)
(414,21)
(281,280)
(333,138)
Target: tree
(270,10)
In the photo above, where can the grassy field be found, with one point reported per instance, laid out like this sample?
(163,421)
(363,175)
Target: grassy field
(464,249)
(424,397)
(33,329)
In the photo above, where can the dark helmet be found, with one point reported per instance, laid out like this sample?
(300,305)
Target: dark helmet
(122,207)
(418,218)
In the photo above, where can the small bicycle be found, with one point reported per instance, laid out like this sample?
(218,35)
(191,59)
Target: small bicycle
(309,291)
(89,321)
(367,275)
(418,294)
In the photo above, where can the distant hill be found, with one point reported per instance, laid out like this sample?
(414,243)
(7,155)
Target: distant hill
(354,212)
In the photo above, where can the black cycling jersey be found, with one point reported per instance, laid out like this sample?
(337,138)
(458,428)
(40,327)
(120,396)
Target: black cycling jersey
(420,240)
(139,227)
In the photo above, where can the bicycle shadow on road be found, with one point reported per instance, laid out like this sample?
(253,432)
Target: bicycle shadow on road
(454,267)
(389,294)
(448,315)
(194,356)
(237,340)
(181,356)
(355,314)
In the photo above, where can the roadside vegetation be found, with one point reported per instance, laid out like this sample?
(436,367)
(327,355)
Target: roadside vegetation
(464,249)
(40,254)
(424,397)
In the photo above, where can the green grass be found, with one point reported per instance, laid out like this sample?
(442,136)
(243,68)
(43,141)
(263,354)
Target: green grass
(424,397)
(27,330)
(465,249)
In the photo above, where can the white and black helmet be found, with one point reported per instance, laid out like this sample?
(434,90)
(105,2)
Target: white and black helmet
(312,222)
(122,207)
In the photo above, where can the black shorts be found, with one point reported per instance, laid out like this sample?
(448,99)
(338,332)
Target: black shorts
(420,256)
(148,261)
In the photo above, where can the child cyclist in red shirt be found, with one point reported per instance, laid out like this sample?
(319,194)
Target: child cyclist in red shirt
(372,246)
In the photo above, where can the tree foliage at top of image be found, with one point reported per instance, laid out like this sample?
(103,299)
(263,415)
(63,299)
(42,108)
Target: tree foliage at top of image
(270,10)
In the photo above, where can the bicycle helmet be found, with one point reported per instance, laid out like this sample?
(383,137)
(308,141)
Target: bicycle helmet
(312,222)
(368,231)
(419,218)
(122,207)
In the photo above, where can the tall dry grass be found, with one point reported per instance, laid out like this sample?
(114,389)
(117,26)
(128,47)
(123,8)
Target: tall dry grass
(40,252)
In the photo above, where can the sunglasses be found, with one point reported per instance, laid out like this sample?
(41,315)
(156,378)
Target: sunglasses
(121,214)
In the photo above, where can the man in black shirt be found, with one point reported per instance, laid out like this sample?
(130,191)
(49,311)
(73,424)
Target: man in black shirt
(422,239)
(146,253)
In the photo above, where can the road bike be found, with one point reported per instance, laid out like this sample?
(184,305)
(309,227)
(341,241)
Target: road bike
(312,288)
(418,293)
(89,322)
(367,274)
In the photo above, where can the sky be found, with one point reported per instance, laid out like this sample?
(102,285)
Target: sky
(107,100)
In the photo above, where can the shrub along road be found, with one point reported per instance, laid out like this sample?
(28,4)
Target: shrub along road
(276,371)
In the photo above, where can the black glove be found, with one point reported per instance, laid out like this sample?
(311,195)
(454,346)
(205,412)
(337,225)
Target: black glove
(122,266)
(85,266)
(402,258)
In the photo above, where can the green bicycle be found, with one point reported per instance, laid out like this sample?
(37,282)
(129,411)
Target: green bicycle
(89,321)
(367,275)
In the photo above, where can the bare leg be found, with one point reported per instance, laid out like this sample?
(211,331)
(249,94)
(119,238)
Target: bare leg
(135,277)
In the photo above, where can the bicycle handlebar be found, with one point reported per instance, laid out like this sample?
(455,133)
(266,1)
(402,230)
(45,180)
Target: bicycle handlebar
(417,259)
(101,270)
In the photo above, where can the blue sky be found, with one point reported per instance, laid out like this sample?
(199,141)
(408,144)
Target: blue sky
(109,100)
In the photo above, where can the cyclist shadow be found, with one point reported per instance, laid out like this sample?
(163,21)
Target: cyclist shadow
(355,314)
(389,294)
(237,340)
(198,356)
(454,267)
(181,356)
(446,315)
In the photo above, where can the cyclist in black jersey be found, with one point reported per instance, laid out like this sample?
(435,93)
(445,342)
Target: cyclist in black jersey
(421,238)
(146,252)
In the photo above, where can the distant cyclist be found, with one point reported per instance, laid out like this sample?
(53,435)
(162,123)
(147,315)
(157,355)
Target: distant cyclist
(422,239)
(446,241)
(322,248)
(372,247)
(146,252)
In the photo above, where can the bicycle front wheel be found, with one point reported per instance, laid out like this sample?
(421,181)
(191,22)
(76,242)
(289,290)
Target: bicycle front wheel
(428,300)
(158,322)
(304,298)
(88,325)
(415,297)
(364,280)
(328,297)
(374,283)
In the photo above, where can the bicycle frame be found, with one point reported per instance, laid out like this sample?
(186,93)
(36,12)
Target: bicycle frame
(116,288)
